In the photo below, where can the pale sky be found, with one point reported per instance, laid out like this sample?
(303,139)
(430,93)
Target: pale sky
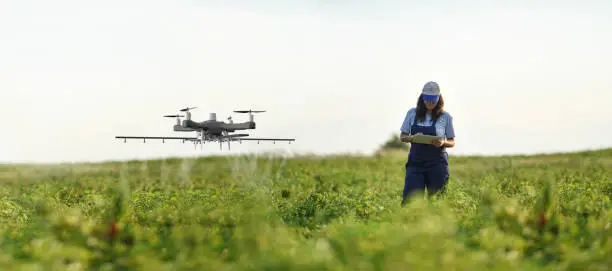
(73,74)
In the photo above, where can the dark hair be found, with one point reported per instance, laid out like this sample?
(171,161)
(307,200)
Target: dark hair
(421,109)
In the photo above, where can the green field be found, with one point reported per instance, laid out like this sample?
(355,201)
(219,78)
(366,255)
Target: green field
(545,212)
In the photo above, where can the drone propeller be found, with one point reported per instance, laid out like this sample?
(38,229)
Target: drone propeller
(173,116)
(187,109)
(249,111)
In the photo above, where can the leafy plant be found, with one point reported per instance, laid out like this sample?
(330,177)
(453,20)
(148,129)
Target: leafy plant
(394,143)
(321,213)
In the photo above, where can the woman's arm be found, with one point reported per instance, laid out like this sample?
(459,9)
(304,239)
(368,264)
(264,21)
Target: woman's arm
(450,132)
(405,128)
(449,143)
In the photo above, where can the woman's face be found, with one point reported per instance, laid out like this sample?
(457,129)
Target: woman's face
(430,104)
(430,101)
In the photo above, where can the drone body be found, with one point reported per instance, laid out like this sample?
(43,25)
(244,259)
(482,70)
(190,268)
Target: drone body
(211,130)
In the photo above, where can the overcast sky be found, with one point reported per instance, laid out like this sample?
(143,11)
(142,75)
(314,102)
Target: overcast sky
(73,74)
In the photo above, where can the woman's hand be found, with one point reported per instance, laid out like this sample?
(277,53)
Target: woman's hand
(406,138)
(448,143)
(438,142)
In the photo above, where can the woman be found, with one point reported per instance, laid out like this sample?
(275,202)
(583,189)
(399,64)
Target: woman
(427,164)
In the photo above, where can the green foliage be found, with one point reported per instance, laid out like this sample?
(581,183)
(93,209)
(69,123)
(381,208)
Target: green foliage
(308,213)
(394,143)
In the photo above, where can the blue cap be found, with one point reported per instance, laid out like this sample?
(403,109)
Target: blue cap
(431,91)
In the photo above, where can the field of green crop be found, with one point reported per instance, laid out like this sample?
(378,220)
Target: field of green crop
(546,212)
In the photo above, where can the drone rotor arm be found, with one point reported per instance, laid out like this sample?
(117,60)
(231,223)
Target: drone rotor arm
(163,138)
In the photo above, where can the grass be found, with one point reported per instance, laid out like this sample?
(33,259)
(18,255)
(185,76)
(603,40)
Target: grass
(543,212)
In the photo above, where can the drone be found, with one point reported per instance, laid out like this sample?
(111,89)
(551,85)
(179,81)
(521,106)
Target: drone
(211,130)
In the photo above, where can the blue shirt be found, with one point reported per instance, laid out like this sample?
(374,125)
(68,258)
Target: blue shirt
(444,126)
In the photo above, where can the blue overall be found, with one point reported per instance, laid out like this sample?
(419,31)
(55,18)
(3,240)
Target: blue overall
(427,165)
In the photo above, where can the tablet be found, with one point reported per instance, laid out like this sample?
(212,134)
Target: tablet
(425,139)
